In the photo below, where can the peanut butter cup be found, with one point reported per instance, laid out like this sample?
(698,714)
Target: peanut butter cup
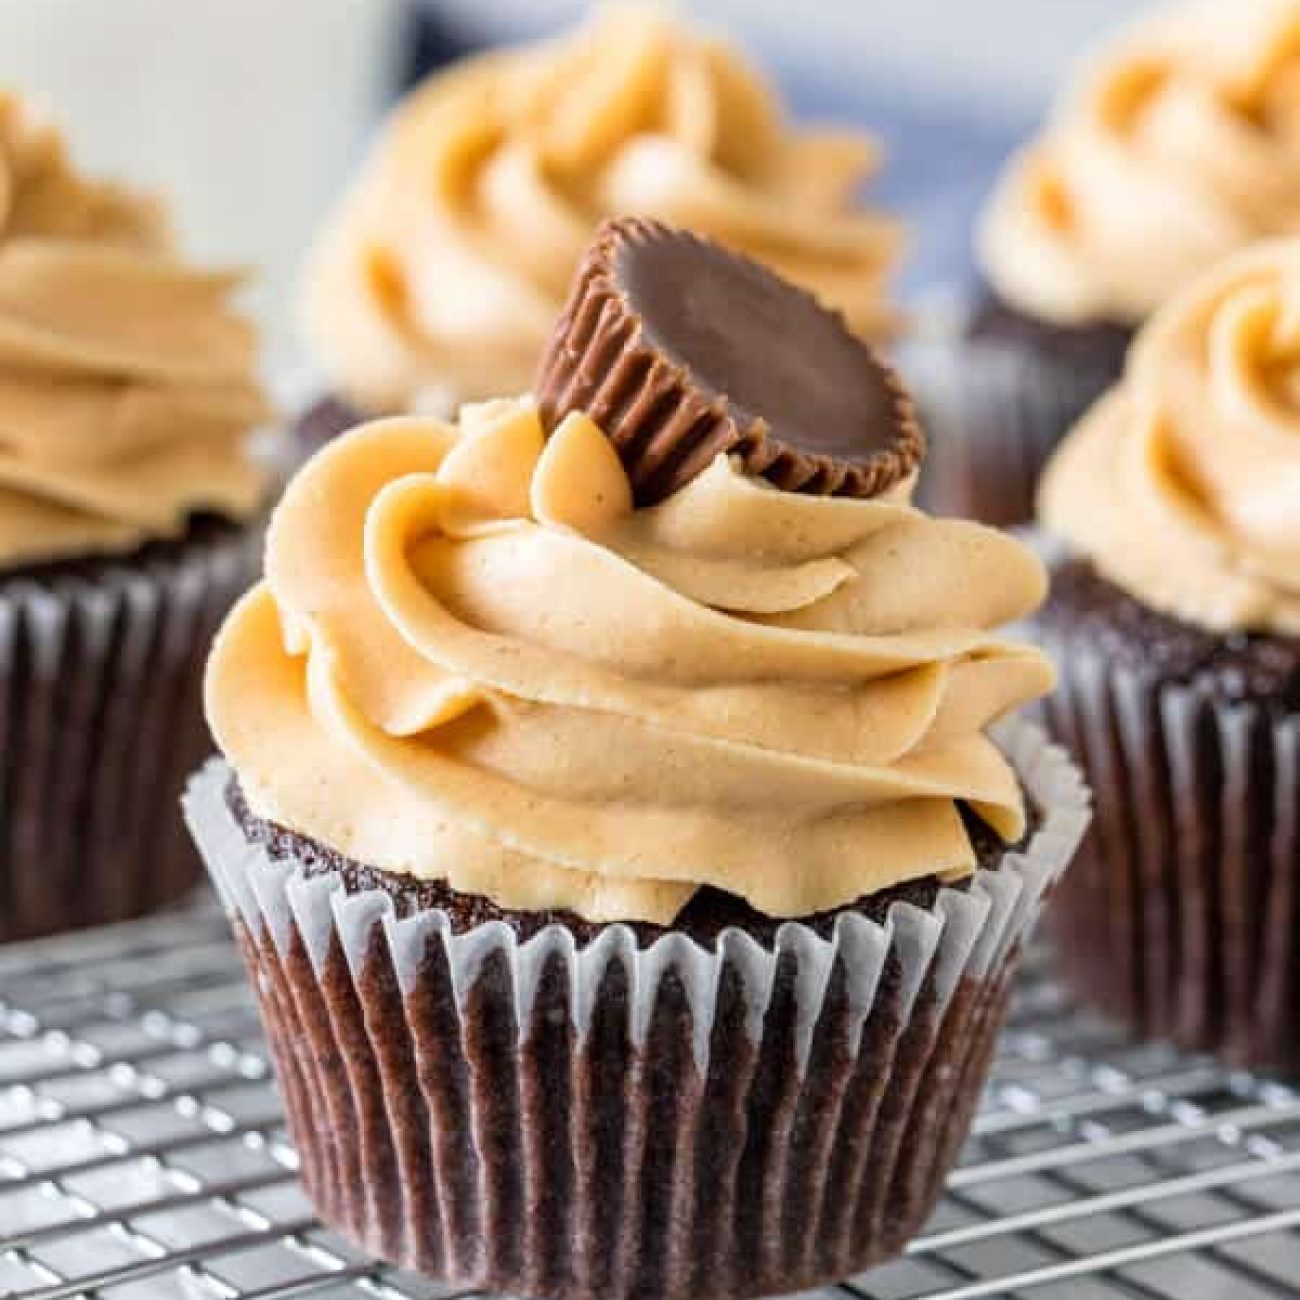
(682,351)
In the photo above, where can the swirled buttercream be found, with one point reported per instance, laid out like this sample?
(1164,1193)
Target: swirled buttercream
(1178,145)
(1183,485)
(447,263)
(127,385)
(473,660)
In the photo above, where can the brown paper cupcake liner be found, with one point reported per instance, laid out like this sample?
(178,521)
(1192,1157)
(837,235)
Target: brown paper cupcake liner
(555,1120)
(101,721)
(993,415)
(602,361)
(1182,916)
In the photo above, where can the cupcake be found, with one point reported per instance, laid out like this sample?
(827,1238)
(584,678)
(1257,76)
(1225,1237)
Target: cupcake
(1173,148)
(607,816)
(127,390)
(1176,618)
(438,279)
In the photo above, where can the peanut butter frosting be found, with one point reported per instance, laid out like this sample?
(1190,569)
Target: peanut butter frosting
(1183,485)
(474,660)
(1178,145)
(446,265)
(127,385)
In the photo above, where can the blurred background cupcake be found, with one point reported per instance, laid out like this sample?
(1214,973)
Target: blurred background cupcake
(439,276)
(1175,617)
(128,391)
(252,175)
(1172,146)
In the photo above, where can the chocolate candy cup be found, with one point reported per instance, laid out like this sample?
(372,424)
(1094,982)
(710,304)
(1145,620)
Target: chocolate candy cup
(682,351)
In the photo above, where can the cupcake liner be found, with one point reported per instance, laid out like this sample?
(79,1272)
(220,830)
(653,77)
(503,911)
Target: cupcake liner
(100,722)
(1182,916)
(549,1119)
(993,414)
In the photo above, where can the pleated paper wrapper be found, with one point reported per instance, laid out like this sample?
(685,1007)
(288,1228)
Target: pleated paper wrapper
(101,722)
(1182,916)
(547,1119)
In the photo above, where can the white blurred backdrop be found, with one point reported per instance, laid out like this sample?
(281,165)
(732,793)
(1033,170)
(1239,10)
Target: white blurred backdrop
(247,113)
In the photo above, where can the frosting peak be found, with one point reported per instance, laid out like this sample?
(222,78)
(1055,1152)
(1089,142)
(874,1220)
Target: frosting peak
(445,267)
(127,385)
(1178,145)
(1184,484)
(491,669)
(42,195)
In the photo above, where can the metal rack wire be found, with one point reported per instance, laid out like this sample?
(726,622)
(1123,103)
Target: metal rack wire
(142,1153)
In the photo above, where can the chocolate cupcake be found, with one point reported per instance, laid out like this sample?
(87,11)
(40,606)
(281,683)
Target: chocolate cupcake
(1171,149)
(1176,618)
(438,279)
(127,390)
(634,886)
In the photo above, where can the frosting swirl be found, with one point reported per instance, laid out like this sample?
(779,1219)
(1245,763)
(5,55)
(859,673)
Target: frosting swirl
(447,264)
(127,385)
(489,668)
(1177,146)
(1183,485)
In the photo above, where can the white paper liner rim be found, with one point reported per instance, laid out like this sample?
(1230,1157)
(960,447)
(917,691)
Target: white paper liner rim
(966,934)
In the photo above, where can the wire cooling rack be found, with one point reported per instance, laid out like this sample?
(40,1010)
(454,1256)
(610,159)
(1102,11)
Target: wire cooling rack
(142,1152)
